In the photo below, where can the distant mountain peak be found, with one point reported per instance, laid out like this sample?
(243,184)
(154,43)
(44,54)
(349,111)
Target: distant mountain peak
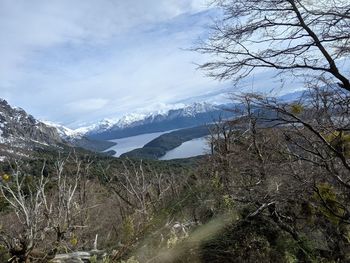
(134,119)
(163,113)
(164,119)
(22,131)
(63,131)
(129,119)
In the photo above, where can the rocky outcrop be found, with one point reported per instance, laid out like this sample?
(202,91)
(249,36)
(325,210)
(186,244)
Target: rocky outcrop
(20,133)
(17,125)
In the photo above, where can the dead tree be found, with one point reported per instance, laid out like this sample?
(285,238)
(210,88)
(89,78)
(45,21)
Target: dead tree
(46,205)
(300,38)
(27,198)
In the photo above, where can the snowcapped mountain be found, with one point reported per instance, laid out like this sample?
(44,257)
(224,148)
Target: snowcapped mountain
(108,123)
(136,119)
(77,138)
(163,120)
(21,132)
(16,126)
(166,117)
(63,131)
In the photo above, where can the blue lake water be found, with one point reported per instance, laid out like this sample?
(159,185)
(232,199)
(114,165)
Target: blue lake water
(131,143)
(188,149)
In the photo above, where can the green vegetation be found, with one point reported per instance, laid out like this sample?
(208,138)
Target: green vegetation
(275,189)
(93,145)
(255,199)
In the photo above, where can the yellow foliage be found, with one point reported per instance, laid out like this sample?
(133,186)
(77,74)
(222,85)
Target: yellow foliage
(228,202)
(173,240)
(340,141)
(6,177)
(329,196)
(128,229)
(216,182)
(74,241)
(297,108)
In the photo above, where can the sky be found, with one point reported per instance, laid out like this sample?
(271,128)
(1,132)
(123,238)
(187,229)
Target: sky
(78,61)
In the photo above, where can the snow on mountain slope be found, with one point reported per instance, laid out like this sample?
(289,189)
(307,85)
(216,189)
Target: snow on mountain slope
(17,126)
(133,119)
(20,132)
(165,112)
(64,132)
(108,123)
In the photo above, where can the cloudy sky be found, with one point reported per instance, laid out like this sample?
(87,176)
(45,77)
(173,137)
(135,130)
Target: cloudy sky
(78,61)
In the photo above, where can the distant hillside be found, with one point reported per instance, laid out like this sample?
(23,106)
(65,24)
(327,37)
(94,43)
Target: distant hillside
(166,118)
(78,139)
(191,116)
(166,142)
(21,134)
(91,144)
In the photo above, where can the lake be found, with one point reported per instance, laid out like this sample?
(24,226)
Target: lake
(188,149)
(131,143)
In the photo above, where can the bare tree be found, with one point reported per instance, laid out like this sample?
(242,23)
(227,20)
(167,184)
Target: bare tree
(46,206)
(290,162)
(66,210)
(27,197)
(304,38)
(139,186)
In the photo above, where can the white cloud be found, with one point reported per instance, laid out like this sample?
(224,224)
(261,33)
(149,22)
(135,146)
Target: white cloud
(86,59)
(86,105)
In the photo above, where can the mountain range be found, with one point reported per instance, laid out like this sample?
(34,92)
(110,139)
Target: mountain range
(189,116)
(173,117)
(21,133)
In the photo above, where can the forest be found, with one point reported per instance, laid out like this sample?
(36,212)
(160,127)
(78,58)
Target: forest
(275,188)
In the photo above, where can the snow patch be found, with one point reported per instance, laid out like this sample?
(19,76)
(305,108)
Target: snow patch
(147,113)
(63,131)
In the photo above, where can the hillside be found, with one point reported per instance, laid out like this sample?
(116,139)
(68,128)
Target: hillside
(240,202)
(191,131)
(21,135)
(188,116)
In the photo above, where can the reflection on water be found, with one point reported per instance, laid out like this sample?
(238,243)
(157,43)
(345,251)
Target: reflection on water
(188,149)
(131,143)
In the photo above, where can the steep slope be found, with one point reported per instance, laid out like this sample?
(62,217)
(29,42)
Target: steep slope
(21,133)
(78,139)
